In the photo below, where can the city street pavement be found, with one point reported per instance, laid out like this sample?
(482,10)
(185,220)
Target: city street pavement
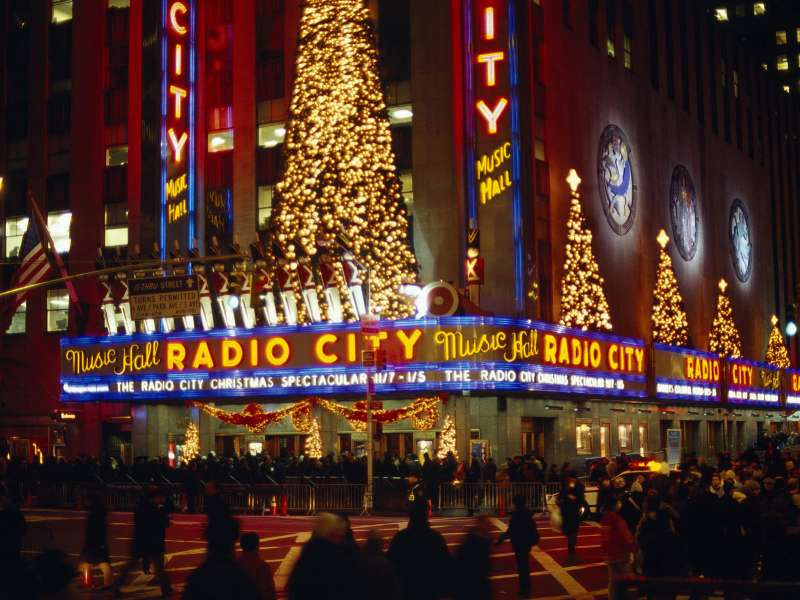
(282,539)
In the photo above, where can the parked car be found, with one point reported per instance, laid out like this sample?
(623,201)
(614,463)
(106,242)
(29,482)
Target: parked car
(591,492)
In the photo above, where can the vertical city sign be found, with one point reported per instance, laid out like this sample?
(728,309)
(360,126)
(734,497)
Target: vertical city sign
(493,153)
(177,124)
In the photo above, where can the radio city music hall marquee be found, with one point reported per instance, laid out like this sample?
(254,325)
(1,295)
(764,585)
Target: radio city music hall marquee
(448,354)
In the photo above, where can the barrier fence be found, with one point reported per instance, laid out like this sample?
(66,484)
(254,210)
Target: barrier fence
(289,498)
(634,586)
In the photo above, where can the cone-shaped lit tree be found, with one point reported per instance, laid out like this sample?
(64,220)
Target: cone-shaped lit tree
(777,354)
(669,318)
(340,175)
(583,301)
(447,440)
(191,442)
(313,447)
(724,337)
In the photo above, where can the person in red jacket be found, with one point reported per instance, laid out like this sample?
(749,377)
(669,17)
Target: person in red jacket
(618,543)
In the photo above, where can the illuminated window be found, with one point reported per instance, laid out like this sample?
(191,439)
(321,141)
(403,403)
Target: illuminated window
(780,37)
(782,63)
(643,435)
(787,89)
(220,141)
(735,80)
(57,310)
(119,3)
(740,11)
(15,229)
(538,149)
(62,11)
(271,135)
(626,53)
(583,438)
(625,434)
(116,224)
(605,431)
(611,48)
(58,225)
(765,66)
(797,34)
(759,8)
(18,320)
(401,114)
(116,156)
(265,196)
(721,14)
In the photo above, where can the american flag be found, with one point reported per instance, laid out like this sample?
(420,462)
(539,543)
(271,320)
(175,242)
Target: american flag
(35,267)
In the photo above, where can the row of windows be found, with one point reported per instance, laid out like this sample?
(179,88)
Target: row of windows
(587,445)
(56,313)
(58,224)
(756,9)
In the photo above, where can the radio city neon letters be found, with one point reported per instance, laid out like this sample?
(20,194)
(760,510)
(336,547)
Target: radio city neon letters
(490,59)
(177,23)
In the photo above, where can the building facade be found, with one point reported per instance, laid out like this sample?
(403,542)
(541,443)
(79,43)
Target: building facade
(667,119)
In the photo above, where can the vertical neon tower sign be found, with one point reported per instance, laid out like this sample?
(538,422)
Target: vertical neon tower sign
(494,195)
(177,124)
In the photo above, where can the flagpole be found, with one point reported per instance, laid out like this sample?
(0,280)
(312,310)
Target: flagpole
(139,265)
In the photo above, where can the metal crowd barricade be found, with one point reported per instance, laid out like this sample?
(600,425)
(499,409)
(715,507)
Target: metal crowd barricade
(339,497)
(489,497)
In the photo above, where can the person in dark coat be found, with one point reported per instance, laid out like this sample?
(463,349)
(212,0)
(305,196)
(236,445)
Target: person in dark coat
(658,545)
(378,579)
(421,558)
(150,523)
(524,535)
(95,550)
(16,579)
(472,563)
(324,570)
(570,500)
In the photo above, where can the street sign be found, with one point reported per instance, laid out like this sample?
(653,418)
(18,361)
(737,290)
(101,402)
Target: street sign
(154,297)
(368,358)
(369,324)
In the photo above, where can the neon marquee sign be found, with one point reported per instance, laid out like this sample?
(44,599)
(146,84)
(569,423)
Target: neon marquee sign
(686,375)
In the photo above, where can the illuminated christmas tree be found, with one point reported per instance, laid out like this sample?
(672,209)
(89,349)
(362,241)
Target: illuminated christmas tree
(724,337)
(777,354)
(340,176)
(669,318)
(314,440)
(191,442)
(447,439)
(583,301)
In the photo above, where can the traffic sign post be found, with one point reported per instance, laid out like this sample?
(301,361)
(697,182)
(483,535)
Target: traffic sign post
(369,328)
(156,297)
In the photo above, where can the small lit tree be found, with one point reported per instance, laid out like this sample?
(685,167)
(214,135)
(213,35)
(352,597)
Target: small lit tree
(314,440)
(447,439)
(724,337)
(583,301)
(777,354)
(669,317)
(191,442)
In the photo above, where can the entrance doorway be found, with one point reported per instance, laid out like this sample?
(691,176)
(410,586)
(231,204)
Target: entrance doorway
(116,438)
(689,436)
(537,436)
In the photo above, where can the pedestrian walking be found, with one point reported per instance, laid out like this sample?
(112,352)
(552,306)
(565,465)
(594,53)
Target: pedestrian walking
(570,500)
(524,535)
(150,523)
(95,549)
(472,563)
(618,544)
(420,557)
(257,570)
(378,578)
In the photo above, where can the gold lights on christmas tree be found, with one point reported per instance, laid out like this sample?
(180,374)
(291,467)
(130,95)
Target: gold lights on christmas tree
(583,301)
(777,354)
(313,447)
(447,440)
(191,442)
(340,175)
(669,318)
(724,337)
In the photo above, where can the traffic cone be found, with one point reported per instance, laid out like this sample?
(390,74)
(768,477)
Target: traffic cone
(87,576)
(430,509)
(284,506)
(502,512)
(274,506)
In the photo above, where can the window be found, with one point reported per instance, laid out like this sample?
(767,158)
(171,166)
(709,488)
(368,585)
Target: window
(670,48)
(57,310)
(740,11)
(611,28)
(220,141)
(407,191)
(401,114)
(116,224)
(684,47)
(15,229)
(624,435)
(797,35)
(62,11)
(643,441)
(723,79)
(271,135)
(566,16)
(721,14)
(786,90)
(759,8)
(583,438)
(18,320)
(116,156)
(627,36)
(265,196)
(119,3)
(538,149)
(605,446)
(735,81)
(58,225)
(782,63)
(780,37)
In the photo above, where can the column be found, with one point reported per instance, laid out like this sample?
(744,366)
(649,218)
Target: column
(244,121)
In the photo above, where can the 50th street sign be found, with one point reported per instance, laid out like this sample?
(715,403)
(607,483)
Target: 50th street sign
(155,297)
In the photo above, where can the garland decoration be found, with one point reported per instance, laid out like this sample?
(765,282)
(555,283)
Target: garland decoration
(253,416)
